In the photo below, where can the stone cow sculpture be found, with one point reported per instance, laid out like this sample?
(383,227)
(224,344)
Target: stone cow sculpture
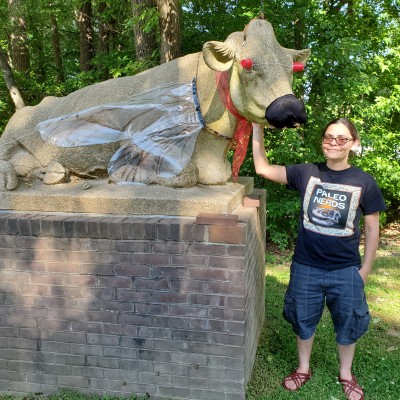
(258,72)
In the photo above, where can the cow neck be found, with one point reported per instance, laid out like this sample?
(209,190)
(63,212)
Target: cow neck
(240,140)
(243,129)
(207,127)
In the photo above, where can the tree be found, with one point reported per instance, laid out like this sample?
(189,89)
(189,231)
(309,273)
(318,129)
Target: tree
(9,80)
(170,30)
(18,38)
(55,40)
(84,18)
(103,48)
(352,71)
(144,32)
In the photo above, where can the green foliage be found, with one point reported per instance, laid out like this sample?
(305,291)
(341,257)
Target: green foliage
(352,72)
(4,114)
(285,146)
(148,20)
(204,20)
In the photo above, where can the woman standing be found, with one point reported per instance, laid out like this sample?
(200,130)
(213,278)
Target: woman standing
(326,264)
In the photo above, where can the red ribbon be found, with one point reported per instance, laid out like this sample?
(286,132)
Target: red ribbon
(243,129)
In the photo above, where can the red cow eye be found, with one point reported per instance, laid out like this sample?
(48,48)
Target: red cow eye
(298,67)
(246,63)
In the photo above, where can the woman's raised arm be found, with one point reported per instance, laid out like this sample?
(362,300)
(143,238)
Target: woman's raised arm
(275,173)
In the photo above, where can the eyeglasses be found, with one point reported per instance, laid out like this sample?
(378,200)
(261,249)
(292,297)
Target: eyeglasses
(340,140)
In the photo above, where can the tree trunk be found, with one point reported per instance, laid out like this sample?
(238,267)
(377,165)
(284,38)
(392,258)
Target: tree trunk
(104,30)
(299,24)
(145,40)
(104,38)
(19,46)
(84,18)
(9,79)
(37,48)
(55,40)
(170,29)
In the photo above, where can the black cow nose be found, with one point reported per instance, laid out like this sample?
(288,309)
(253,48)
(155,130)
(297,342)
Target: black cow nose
(286,112)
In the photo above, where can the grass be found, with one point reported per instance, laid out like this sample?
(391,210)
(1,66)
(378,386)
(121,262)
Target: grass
(66,395)
(377,359)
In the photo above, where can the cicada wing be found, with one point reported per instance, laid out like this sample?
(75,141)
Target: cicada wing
(113,122)
(102,124)
(163,155)
(161,127)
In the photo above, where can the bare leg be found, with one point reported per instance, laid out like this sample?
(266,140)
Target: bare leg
(304,348)
(346,355)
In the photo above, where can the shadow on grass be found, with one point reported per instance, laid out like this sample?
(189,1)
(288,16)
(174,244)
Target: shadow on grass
(376,362)
(65,394)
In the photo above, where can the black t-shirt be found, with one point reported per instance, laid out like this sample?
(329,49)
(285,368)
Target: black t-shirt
(331,206)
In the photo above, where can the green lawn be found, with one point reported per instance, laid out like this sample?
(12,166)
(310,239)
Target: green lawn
(377,360)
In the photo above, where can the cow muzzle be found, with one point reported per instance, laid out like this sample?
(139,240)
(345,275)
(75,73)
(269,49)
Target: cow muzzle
(286,112)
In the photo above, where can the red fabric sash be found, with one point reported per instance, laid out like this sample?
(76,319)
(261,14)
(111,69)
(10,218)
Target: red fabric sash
(243,129)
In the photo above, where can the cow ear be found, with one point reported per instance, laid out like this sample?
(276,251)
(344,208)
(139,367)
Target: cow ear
(219,56)
(300,55)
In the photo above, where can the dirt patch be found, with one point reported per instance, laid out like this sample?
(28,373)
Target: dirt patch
(391,232)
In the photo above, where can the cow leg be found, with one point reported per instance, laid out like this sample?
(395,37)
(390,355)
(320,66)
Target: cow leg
(24,162)
(8,176)
(188,177)
(210,157)
(20,164)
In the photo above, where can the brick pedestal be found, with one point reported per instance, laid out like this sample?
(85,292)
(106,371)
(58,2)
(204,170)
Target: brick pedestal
(165,306)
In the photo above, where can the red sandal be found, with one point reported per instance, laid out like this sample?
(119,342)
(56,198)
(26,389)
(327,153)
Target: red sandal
(351,387)
(298,378)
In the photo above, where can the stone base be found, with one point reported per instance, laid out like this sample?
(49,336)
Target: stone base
(101,197)
(158,306)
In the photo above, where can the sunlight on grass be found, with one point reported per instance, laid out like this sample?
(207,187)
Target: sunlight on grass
(377,356)
(383,286)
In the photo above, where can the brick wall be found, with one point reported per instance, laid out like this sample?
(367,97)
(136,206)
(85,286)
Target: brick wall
(130,305)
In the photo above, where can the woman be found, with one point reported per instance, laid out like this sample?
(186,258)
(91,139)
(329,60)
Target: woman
(326,264)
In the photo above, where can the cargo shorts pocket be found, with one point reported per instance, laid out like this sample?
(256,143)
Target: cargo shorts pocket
(289,310)
(360,323)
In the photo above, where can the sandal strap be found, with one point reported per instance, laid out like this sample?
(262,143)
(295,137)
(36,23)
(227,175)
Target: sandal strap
(351,386)
(298,378)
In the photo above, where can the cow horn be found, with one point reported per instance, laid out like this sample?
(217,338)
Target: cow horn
(219,56)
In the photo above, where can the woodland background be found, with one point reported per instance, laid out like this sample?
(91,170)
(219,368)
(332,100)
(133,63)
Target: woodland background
(53,47)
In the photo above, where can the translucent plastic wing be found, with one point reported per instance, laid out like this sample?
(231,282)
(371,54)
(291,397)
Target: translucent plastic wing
(160,126)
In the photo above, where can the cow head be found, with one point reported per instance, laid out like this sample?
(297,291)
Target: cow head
(261,74)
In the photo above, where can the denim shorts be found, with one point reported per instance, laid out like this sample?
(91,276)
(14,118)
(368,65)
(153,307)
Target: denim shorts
(342,290)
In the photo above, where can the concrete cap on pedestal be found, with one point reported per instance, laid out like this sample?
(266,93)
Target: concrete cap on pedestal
(101,197)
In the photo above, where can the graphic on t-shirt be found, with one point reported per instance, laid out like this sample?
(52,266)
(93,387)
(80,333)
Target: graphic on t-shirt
(330,208)
(325,216)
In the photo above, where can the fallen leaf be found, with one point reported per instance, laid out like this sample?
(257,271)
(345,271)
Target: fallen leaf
(392,332)
(392,348)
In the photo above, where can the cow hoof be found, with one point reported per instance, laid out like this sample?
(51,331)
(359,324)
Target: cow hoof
(55,173)
(8,176)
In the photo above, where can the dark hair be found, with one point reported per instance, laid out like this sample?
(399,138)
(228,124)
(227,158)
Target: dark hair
(347,123)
